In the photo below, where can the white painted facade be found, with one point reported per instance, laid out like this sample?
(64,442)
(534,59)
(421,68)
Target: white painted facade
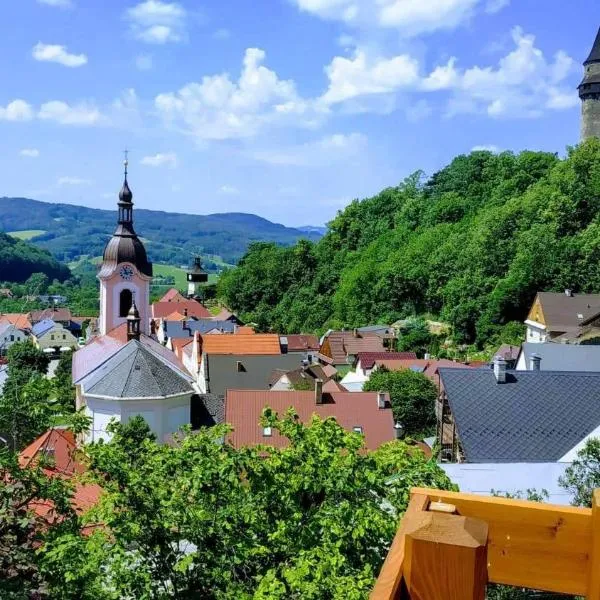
(536,332)
(165,416)
(9,335)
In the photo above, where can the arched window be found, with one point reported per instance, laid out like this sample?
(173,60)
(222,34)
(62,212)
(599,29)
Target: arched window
(125,301)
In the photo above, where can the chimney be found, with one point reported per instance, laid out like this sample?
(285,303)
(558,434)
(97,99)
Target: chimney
(569,293)
(534,362)
(355,332)
(283,342)
(500,369)
(318,391)
(398,430)
(380,400)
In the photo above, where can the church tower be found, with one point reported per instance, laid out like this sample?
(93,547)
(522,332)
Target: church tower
(589,92)
(125,272)
(195,276)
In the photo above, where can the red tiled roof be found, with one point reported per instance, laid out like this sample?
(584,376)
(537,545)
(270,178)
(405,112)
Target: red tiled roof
(99,350)
(19,320)
(119,333)
(339,344)
(367,359)
(172,296)
(160,310)
(245,330)
(298,342)
(259,343)
(59,444)
(243,409)
(55,314)
(428,367)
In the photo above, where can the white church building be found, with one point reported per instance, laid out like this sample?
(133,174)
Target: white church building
(123,372)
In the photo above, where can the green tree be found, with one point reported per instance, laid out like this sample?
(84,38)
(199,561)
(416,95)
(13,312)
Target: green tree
(413,397)
(24,356)
(37,284)
(63,382)
(582,477)
(201,519)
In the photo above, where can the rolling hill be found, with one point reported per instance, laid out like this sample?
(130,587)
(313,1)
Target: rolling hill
(69,232)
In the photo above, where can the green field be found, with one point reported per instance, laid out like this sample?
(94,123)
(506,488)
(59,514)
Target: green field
(179,275)
(26,234)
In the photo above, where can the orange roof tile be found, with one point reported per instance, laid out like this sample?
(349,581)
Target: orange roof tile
(174,316)
(259,343)
(172,296)
(19,320)
(194,309)
(245,330)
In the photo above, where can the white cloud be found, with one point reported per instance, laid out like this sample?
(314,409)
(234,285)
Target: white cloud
(222,34)
(409,17)
(494,6)
(157,22)
(58,54)
(219,108)
(168,159)
(30,152)
(418,111)
(360,75)
(229,190)
(57,3)
(73,181)
(143,62)
(487,148)
(17,110)
(442,77)
(327,150)
(65,114)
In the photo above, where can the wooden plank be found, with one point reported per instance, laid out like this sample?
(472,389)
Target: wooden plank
(593,589)
(445,557)
(387,586)
(530,544)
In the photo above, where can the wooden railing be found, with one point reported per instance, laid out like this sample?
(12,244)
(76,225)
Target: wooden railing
(450,545)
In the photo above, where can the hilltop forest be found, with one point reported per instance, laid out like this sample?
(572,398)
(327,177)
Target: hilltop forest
(19,260)
(470,245)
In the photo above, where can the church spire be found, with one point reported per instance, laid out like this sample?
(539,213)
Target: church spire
(125,197)
(595,52)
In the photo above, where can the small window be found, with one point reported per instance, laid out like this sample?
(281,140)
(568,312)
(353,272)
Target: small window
(12,338)
(52,336)
(267,431)
(64,337)
(357,429)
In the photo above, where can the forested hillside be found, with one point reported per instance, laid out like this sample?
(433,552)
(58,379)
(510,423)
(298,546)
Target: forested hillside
(18,260)
(471,245)
(70,232)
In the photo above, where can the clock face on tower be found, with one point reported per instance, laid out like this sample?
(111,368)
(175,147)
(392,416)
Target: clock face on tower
(126,272)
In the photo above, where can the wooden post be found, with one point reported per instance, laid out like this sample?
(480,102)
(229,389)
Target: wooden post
(593,587)
(446,557)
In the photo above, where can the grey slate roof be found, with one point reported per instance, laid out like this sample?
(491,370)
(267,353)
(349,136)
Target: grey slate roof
(536,416)
(595,52)
(175,329)
(39,329)
(135,371)
(208,410)
(563,357)
(256,370)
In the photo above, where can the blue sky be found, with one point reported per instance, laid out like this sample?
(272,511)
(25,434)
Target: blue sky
(284,108)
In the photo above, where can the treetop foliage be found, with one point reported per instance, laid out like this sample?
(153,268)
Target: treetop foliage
(472,244)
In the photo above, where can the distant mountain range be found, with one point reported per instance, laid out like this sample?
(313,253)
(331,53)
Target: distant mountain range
(72,232)
(313,229)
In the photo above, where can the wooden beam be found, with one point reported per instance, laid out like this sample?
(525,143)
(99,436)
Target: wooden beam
(445,557)
(389,581)
(593,589)
(530,544)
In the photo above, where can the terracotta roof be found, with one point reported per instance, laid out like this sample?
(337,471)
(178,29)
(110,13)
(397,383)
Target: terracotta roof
(243,409)
(19,320)
(58,314)
(245,330)
(260,343)
(59,445)
(339,344)
(329,370)
(174,316)
(420,365)
(161,310)
(119,333)
(298,342)
(178,345)
(367,359)
(172,295)
(224,314)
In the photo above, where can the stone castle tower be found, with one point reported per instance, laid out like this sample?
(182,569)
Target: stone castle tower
(589,92)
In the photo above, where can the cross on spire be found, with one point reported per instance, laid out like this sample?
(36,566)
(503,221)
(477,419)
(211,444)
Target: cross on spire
(126,161)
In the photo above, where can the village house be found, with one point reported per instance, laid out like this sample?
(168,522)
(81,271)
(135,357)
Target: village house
(305,378)
(563,317)
(19,320)
(184,328)
(340,348)
(9,335)
(299,343)
(368,414)
(549,356)
(52,336)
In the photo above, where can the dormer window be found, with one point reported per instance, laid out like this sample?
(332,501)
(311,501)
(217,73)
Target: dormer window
(357,429)
(267,431)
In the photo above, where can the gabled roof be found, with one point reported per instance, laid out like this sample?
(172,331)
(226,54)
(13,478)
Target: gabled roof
(160,310)
(339,344)
(19,320)
(367,359)
(508,352)
(299,342)
(536,416)
(260,343)
(567,313)
(305,374)
(562,357)
(176,329)
(360,409)
(55,314)
(136,371)
(172,295)
(43,327)
(429,368)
